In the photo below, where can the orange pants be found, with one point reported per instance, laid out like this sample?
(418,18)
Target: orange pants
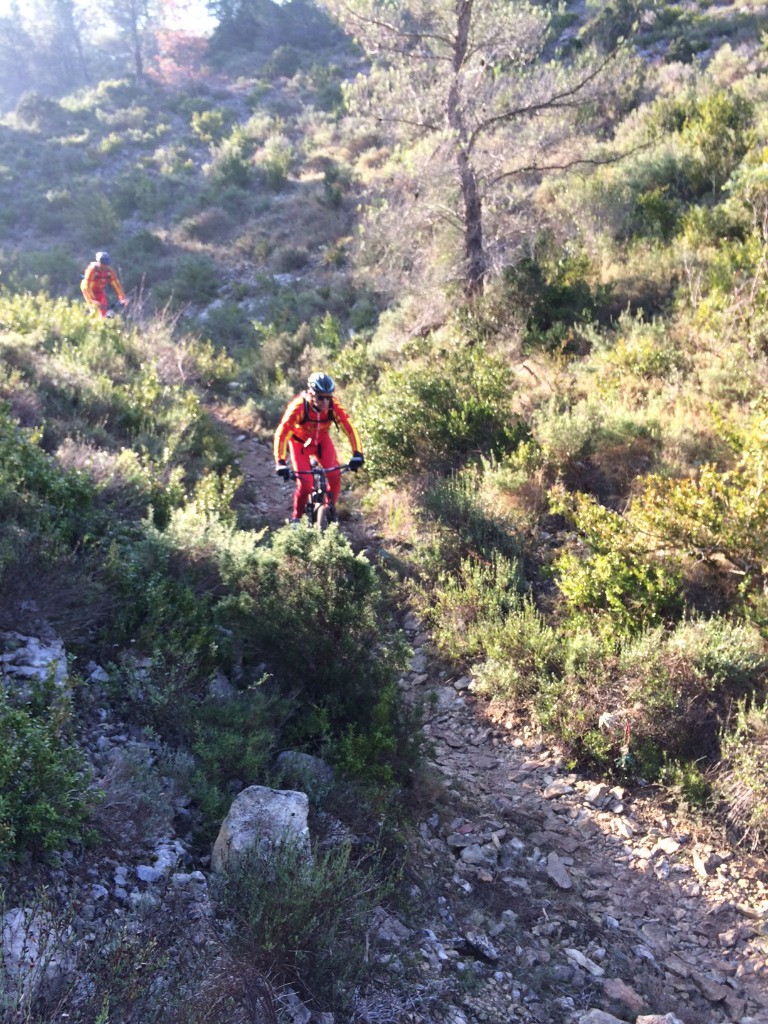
(97,301)
(325,453)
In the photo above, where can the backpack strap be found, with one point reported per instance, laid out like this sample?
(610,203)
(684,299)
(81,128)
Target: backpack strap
(331,414)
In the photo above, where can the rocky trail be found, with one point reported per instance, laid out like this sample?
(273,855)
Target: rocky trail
(535,895)
(539,895)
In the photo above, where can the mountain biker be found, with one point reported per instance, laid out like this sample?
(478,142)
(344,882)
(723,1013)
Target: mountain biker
(98,275)
(304,430)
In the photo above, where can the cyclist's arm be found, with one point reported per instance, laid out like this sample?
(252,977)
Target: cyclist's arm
(115,281)
(88,284)
(285,427)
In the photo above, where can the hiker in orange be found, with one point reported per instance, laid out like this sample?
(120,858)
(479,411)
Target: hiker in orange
(98,275)
(304,430)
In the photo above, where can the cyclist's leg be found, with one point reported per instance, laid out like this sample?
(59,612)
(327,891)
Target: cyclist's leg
(300,461)
(328,457)
(100,302)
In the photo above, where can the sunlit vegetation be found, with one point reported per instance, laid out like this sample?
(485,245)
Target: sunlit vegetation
(564,415)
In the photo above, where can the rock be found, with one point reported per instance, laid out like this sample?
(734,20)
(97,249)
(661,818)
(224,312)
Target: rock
(600,1017)
(168,854)
(28,658)
(220,688)
(294,1008)
(34,957)
(711,989)
(473,854)
(557,872)
(482,945)
(598,795)
(668,845)
(618,992)
(261,819)
(578,958)
(388,931)
(657,1018)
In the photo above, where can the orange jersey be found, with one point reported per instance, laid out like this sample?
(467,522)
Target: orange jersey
(302,422)
(95,279)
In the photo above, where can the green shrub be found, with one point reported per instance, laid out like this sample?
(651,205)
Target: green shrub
(715,516)
(274,161)
(557,298)
(36,495)
(230,164)
(96,217)
(467,503)
(742,780)
(470,604)
(614,576)
(437,413)
(233,741)
(135,191)
(524,654)
(327,81)
(40,112)
(43,776)
(196,280)
(231,326)
(210,126)
(643,350)
(52,270)
(303,921)
(284,62)
(337,658)
(288,258)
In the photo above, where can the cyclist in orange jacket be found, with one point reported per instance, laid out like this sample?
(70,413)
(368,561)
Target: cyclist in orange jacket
(304,430)
(98,275)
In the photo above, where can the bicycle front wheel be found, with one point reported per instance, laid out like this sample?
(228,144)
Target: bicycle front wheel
(324,518)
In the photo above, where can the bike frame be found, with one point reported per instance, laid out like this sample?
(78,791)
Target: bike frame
(321,496)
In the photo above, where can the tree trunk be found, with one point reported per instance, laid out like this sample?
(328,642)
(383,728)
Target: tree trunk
(474,250)
(138,61)
(474,254)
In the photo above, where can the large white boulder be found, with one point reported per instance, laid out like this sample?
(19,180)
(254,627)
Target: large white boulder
(261,819)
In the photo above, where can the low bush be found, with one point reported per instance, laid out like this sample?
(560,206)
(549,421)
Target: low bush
(303,920)
(41,112)
(612,575)
(196,280)
(233,741)
(742,779)
(337,659)
(466,503)
(210,126)
(558,298)
(230,164)
(437,412)
(274,161)
(43,774)
(53,270)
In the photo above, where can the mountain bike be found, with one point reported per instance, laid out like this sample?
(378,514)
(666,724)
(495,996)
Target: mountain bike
(116,310)
(321,508)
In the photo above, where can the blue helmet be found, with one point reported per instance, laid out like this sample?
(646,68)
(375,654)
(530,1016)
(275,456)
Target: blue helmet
(103,257)
(320,384)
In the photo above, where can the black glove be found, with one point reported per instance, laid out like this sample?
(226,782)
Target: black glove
(357,460)
(282,470)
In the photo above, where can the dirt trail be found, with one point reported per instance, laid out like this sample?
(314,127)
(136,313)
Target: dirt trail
(553,894)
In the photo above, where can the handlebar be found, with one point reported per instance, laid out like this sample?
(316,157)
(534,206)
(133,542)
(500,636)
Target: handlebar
(293,473)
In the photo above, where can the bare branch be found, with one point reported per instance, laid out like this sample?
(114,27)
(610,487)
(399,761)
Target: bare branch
(557,101)
(570,164)
(396,30)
